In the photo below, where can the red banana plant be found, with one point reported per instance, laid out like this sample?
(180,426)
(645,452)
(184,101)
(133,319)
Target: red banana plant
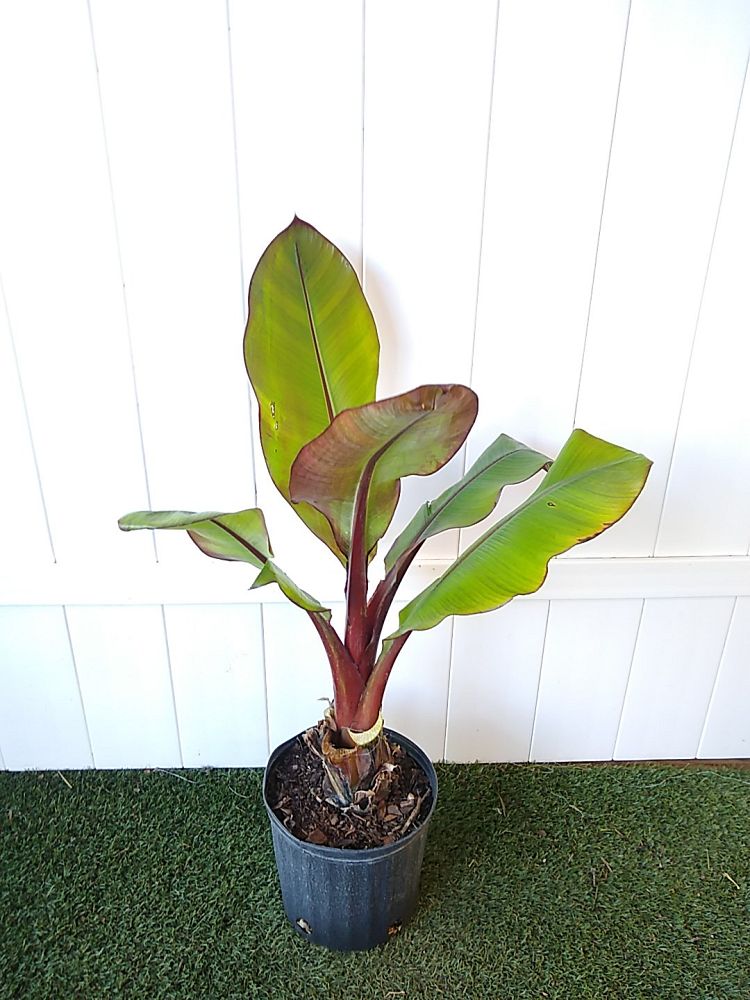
(338,455)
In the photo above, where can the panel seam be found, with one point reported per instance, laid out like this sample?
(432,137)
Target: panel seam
(627,681)
(696,327)
(172,684)
(539,683)
(27,417)
(238,190)
(264,661)
(78,685)
(717,675)
(480,251)
(118,245)
(449,687)
(254,453)
(601,216)
(484,205)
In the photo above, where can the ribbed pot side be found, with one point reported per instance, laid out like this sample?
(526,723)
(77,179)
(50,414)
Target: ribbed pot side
(350,900)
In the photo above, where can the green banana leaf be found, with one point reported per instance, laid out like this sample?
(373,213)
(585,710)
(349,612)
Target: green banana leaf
(470,500)
(239,537)
(356,464)
(311,350)
(590,486)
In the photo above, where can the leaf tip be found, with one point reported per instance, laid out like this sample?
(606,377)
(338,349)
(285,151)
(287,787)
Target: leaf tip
(298,223)
(124,523)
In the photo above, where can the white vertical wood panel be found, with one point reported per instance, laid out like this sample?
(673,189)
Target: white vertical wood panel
(167,102)
(676,658)
(555,93)
(58,257)
(682,77)
(428,83)
(587,655)
(531,679)
(708,495)
(20,497)
(297,71)
(123,669)
(416,697)
(494,681)
(42,722)
(216,655)
(297,672)
(727,729)
(556,80)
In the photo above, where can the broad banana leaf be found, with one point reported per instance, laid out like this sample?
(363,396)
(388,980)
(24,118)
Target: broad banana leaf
(590,486)
(470,500)
(239,537)
(311,350)
(356,464)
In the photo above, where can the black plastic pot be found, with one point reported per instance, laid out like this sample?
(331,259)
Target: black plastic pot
(350,900)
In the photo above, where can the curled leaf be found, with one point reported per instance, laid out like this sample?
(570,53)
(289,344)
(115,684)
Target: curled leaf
(356,464)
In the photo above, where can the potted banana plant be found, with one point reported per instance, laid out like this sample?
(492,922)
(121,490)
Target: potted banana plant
(350,801)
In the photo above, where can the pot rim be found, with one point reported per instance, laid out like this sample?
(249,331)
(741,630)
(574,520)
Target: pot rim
(363,854)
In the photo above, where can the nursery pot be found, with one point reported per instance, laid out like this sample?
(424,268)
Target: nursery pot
(345,899)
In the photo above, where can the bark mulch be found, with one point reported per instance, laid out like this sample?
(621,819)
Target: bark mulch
(384,810)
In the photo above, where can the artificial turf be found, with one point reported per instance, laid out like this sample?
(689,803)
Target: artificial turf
(540,882)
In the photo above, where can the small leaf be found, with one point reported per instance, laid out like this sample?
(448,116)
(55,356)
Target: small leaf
(470,500)
(592,484)
(239,537)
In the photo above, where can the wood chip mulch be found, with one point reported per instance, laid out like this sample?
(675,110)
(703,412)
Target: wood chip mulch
(395,803)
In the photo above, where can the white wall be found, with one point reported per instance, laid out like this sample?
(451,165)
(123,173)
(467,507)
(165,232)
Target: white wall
(549,201)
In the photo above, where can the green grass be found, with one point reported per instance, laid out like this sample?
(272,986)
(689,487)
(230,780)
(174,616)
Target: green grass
(539,882)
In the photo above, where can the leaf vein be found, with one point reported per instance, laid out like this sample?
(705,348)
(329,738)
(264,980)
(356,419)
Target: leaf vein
(314,336)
